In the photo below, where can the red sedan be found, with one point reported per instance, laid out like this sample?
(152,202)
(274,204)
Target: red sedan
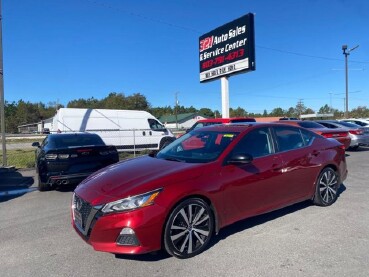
(179,198)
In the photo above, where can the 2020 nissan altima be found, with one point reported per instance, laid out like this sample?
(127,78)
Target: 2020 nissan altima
(205,180)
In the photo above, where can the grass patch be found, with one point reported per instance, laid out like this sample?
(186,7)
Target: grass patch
(25,158)
(20,158)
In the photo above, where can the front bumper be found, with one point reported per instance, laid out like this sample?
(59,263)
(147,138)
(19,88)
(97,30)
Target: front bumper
(103,231)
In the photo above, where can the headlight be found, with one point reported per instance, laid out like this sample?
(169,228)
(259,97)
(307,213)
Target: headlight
(132,202)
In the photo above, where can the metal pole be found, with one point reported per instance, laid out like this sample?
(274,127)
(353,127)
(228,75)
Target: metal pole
(176,110)
(2,101)
(346,75)
(346,53)
(225,97)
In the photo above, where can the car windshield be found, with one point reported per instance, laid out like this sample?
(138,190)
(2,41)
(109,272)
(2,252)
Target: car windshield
(198,146)
(75,140)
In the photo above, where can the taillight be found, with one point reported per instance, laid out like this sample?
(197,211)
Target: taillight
(56,156)
(51,156)
(335,135)
(83,150)
(356,132)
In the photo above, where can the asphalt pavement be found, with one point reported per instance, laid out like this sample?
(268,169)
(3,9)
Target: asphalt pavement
(36,237)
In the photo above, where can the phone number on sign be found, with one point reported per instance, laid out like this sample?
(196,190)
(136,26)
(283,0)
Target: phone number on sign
(222,59)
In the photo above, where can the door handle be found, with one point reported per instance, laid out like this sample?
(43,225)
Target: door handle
(315,153)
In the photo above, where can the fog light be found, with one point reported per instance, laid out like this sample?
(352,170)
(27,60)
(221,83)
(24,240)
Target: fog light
(127,237)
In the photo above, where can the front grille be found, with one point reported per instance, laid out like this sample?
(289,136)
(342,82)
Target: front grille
(87,216)
(84,209)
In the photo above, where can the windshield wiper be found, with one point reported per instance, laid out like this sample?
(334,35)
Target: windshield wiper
(174,159)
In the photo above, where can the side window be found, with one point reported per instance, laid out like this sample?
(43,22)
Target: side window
(155,125)
(289,138)
(257,143)
(307,136)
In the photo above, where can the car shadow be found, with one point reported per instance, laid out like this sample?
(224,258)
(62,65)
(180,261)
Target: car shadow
(66,188)
(149,257)
(13,184)
(251,222)
(237,227)
(360,149)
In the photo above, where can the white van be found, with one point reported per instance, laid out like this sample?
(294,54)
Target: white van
(128,130)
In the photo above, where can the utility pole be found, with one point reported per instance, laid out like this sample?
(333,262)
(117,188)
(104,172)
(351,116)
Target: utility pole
(346,53)
(2,101)
(176,109)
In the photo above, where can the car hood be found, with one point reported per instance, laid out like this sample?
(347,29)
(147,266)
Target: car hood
(134,176)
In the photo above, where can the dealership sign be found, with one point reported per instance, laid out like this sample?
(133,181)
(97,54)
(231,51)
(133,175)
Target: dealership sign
(228,49)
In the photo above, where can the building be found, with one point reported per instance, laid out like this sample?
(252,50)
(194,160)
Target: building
(181,121)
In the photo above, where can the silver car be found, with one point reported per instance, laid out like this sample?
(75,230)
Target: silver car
(359,135)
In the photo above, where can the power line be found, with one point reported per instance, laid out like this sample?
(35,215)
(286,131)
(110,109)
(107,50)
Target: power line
(144,17)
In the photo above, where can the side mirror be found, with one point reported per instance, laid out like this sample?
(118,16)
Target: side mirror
(36,144)
(240,159)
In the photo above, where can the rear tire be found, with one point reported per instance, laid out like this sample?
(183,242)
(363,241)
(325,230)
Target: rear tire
(354,148)
(43,186)
(327,187)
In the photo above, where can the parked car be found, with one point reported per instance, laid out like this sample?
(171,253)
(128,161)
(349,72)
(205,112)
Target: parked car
(357,121)
(214,121)
(340,134)
(70,157)
(178,199)
(288,118)
(359,135)
(45,131)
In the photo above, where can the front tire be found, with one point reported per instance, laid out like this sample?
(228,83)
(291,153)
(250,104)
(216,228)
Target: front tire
(189,228)
(327,187)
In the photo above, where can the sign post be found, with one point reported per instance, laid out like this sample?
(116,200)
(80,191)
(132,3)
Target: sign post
(225,97)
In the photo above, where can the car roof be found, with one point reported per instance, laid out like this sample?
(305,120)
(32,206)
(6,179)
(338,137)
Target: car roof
(240,127)
(73,134)
(225,120)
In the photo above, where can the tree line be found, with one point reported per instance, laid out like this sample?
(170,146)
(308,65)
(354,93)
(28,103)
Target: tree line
(21,112)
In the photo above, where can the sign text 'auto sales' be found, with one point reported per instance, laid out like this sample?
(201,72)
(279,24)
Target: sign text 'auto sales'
(227,50)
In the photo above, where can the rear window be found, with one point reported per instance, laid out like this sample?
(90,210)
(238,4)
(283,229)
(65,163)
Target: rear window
(75,140)
(348,124)
(310,124)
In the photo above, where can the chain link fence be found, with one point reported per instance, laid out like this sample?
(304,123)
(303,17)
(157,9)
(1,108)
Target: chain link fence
(129,142)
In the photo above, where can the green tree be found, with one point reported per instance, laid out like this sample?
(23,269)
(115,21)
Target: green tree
(277,112)
(137,101)
(238,112)
(206,112)
(325,109)
(360,112)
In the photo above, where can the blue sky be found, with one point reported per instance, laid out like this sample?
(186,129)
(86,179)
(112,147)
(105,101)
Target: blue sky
(61,50)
